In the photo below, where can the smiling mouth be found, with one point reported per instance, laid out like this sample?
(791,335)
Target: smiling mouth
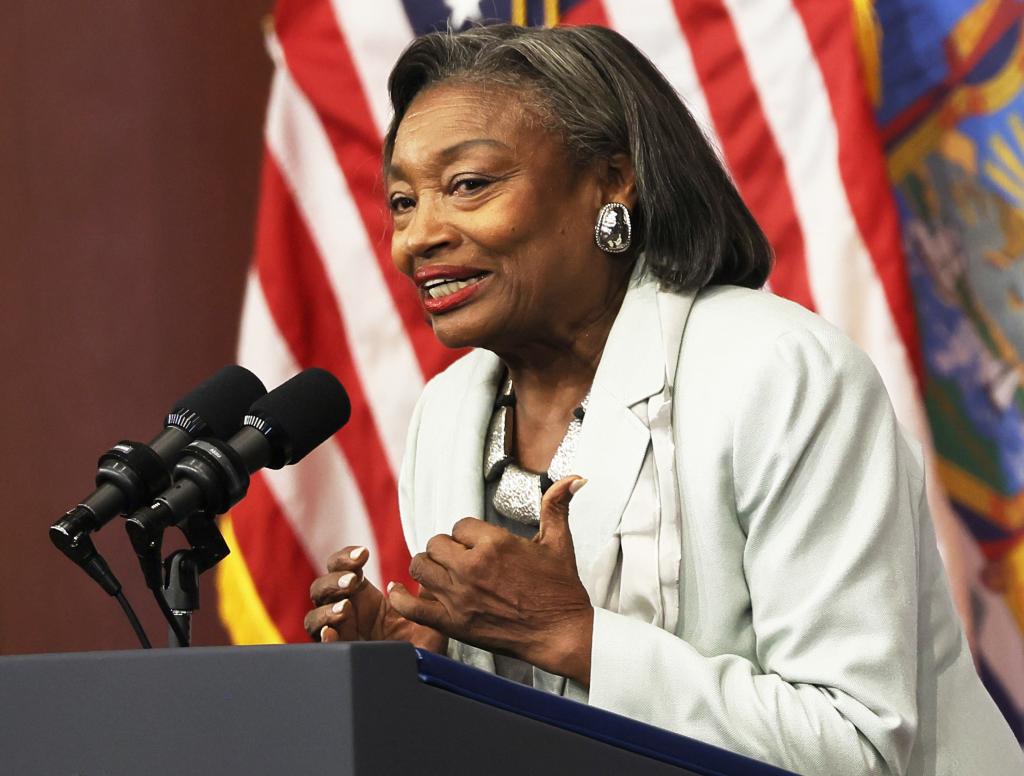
(442,294)
(440,288)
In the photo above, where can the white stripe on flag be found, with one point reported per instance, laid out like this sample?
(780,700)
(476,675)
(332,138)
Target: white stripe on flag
(846,288)
(320,498)
(382,353)
(657,33)
(375,33)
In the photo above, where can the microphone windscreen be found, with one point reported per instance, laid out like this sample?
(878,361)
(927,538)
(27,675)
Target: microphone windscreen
(219,404)
(301,413)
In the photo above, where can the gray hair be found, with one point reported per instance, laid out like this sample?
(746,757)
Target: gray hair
(604,98)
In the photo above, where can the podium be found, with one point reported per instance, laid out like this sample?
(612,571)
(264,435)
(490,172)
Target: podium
(346,709)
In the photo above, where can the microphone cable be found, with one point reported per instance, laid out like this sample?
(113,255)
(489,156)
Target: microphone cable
(133,619)
(82,551)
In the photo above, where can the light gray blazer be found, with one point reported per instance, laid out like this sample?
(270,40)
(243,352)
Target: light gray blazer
(754,536)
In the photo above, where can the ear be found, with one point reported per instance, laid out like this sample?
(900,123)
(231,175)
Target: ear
(618,178)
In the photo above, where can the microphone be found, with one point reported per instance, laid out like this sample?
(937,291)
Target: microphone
(131,473)
(211,476)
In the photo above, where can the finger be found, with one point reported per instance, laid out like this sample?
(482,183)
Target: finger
(470,531)
(311,624)
(344,621)
(554,512)
(420,610)
(316,619)
(348,559)
(428,572)
(335,586)
(328,634)
(444,550)
(337,616)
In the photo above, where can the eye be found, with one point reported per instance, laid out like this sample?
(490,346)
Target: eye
(468,185)
(399,203)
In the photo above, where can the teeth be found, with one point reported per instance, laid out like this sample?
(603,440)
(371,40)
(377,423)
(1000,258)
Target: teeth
(441,287)
(447,288)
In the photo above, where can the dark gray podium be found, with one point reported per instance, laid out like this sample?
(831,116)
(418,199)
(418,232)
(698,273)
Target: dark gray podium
(375,708)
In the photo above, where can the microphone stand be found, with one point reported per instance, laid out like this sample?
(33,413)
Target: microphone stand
(175,582)
(181,592)
(181,574)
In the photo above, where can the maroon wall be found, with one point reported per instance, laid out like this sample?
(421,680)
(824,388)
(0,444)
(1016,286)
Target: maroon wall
(130,142)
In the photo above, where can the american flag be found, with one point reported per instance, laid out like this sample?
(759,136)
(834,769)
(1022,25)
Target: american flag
(781,87)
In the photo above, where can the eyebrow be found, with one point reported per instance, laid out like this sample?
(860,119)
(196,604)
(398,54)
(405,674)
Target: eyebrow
(450,153)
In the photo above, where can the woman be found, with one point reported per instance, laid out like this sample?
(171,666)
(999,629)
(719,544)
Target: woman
(747,558)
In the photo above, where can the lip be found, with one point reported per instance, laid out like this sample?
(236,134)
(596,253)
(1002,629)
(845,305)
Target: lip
(459,298)
(451,271)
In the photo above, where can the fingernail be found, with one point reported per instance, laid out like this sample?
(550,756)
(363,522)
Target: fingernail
(340,607)
(391,586)
(323,632)
(346,579)
(357,553)
(575,485)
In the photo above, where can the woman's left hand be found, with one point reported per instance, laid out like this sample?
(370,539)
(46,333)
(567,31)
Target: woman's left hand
(511,595)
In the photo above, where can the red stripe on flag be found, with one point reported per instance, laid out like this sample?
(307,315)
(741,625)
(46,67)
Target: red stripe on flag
(862,164)
(268,545)
(750,148)
(305,311)
(587,12)
(322,66)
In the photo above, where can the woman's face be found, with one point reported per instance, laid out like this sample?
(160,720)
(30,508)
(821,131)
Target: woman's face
(495,225)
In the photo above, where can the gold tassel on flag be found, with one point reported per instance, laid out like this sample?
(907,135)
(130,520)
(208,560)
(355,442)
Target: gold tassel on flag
(869,47)
(550,13)
(519,12)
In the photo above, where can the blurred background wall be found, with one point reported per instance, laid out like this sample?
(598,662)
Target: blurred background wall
(130,142)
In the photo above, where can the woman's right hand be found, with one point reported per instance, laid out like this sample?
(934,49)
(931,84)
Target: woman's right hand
(350,608)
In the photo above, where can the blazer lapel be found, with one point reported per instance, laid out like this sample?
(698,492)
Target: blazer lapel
(614,439)
(463,495)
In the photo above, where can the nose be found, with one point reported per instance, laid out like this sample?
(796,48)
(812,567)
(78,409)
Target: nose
(429,231)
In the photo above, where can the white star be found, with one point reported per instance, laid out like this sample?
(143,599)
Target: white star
(461,11)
